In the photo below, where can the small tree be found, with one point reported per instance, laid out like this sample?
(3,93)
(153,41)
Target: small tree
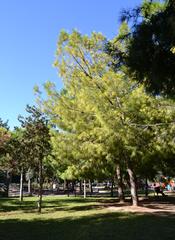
(16,154)
(37,141)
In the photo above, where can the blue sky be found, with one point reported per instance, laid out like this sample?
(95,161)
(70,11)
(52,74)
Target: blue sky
(29,32)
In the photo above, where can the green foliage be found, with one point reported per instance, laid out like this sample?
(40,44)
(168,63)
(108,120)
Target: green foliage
(149,56)
(33,140)
(36,135)
(5,135)
(106,118)
(15,157)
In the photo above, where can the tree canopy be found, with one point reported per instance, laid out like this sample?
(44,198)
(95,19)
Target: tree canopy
(107,119)
(149,55)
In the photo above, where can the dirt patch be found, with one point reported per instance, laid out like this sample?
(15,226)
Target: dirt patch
(156,206)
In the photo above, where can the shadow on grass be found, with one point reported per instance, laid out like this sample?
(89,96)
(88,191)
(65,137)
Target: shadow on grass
(108,226)
(57,204)
(79,204)
(12,204)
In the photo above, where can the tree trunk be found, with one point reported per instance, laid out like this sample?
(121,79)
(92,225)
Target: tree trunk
(133,187)
(91,189)
(40,185)
(84,188)
(73,186)
(21,186)
(67,187)
(81,190)
(8,177)
(120,184)
(146,187)
(29,187)
(112,187)
(64,185)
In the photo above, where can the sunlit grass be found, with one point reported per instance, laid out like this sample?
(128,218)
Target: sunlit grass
(53,207)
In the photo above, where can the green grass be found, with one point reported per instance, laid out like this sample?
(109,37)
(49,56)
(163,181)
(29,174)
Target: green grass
(73,218)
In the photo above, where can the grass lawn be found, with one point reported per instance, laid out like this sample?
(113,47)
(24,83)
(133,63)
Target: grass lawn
(73,218)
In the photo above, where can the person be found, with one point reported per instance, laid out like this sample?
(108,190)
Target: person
(157,189)
(169,187)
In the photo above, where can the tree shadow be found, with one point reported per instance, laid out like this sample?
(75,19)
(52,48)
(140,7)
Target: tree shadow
(80,204)
(12,204)
(108,226)
(59,203)
(166,205)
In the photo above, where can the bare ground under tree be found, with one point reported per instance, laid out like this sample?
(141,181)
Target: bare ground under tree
(156,205)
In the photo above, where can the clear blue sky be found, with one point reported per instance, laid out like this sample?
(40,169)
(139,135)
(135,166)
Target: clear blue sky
(29,32)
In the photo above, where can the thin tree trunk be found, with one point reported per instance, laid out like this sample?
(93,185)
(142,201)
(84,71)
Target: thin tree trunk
(29,187)
(84,188)
(112,187)
(91,189)
(120,184)
(146,187)
(64,185)
(67,187)
(73,186)
(8,177)
(40,185)
(133,187)
(21,186)
(81,187)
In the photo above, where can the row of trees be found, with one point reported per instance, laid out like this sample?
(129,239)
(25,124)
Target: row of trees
(107,121)
(103,123)
(23,150)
